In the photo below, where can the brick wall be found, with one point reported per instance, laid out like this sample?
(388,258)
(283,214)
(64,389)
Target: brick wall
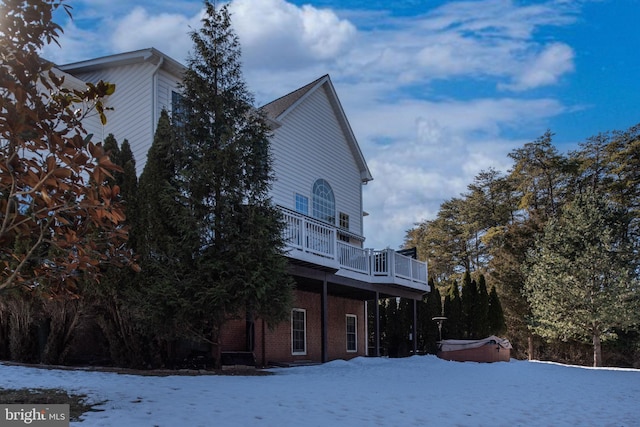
(277,341)
(337,336)
(233,336)
(274,344)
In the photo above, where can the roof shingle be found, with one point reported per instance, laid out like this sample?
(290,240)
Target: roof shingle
(275,108)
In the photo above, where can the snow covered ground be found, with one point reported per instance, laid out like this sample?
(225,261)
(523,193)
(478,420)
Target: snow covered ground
(417,391)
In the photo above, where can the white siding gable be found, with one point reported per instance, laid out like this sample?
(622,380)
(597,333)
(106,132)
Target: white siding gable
(131,117)
(309,145)
(142,91)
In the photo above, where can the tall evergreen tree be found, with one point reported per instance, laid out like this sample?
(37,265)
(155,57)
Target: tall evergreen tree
(582,282)
(129,181)
(224,167)
(383,307)
(164,233)
(537,188)
(112,148)
(126,178)
(428,329)
(453,327)
(115,304)
(399,318)
(481,327)
(497,325)
(469,303)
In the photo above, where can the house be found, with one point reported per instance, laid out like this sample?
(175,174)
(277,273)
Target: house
(320,173)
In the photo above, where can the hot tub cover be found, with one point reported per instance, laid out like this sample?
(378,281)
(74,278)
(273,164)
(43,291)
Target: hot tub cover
(453,345)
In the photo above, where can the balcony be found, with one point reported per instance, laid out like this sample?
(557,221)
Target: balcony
(315,242)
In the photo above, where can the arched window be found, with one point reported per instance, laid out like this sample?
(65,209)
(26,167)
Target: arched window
(324,204)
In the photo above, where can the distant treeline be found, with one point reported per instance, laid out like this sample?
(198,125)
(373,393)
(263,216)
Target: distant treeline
(503,227)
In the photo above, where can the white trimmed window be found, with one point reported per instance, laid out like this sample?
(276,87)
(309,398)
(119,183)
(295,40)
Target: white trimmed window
(352,333)
(177,105)
(298,331)
(302,204)
(323,202)
(344,221)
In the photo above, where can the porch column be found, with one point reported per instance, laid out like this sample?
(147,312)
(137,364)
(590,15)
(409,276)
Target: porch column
(415,327)
(325,321)
(376,325)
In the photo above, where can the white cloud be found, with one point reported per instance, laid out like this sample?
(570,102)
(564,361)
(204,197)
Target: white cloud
(165,31)
(553,62)
(437,149)
(475,40)
(277,34)
(105,27)
(498,18)
(75,44)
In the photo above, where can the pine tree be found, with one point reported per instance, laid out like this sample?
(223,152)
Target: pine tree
(111,147)
(469,302)
(115,304)
(481,327)
(429,308)
(383,307)
(581,280)
(497,325)
(224,169)
(165,236)
(398,326)
(129,182)
(126,178)
(452,328)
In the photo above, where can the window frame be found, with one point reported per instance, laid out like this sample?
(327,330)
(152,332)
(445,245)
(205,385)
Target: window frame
(343,221)
(353,333)
(301,200)
(323,202)
(177,103)
(304,332)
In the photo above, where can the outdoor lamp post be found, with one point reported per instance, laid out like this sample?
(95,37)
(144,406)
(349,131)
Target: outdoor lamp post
(439,320)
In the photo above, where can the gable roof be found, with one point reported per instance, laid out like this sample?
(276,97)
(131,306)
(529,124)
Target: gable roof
(276,110)
(70,81)
(151,55)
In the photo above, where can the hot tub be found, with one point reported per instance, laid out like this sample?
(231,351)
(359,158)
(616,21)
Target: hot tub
(490,349)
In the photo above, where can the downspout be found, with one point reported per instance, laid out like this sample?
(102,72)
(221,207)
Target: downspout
(264,344)
(154,97)
(366,328)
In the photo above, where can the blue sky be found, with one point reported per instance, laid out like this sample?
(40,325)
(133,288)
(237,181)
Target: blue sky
(435,91)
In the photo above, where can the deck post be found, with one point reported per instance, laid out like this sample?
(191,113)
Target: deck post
(325,321)
(415,327)
(376,328)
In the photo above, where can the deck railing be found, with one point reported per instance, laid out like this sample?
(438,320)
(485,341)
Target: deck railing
(315,241)
(309,235)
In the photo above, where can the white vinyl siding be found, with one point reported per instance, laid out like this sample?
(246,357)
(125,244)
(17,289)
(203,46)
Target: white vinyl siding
(131,102)
(311,145)
(166,84)
(133,117)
